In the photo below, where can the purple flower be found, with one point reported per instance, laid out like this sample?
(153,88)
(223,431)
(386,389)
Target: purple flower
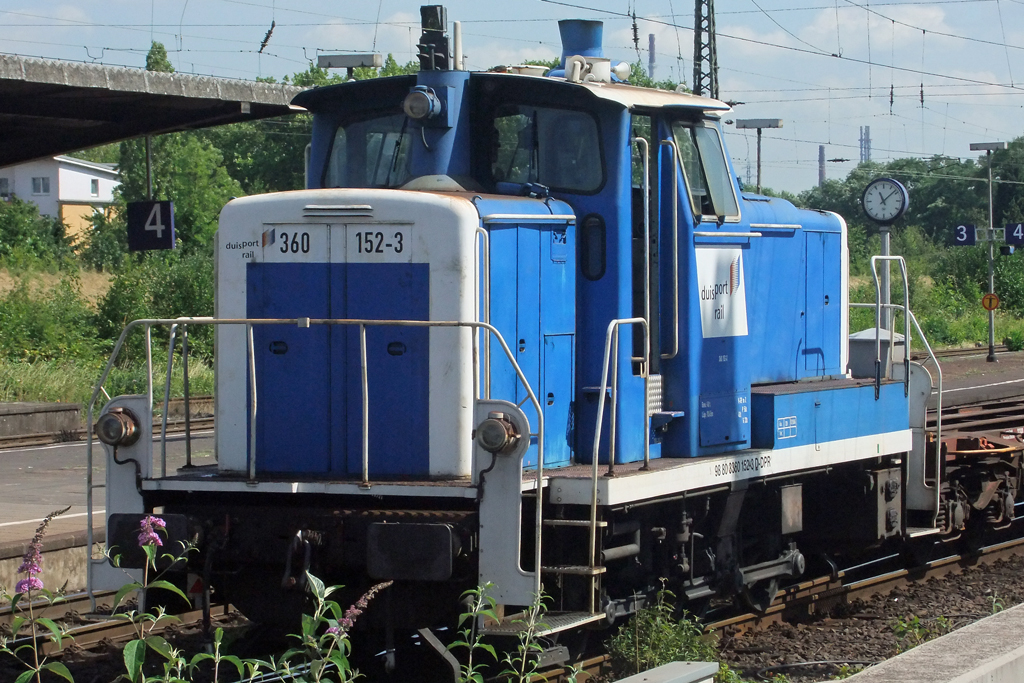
(148,526)
(348,621)
(30,567)
(25,585)
(34,556)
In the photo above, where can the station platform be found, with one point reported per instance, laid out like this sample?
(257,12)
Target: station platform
(988,651)
(38,480)
(971,379)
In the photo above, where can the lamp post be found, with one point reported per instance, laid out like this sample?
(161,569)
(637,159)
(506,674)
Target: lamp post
(758,124)
(988,147)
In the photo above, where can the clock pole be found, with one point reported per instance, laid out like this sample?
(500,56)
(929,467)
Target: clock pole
(883,233)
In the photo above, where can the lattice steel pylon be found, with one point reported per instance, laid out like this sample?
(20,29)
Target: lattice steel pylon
(705,52)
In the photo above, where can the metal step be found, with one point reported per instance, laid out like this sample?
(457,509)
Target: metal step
(574,569)
(918,531)
(551,622)
(585,523)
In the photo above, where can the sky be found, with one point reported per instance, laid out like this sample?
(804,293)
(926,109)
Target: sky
(928,78)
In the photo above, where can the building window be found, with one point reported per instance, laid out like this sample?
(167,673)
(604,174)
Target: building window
(94,187)
(40,186)
(5,188)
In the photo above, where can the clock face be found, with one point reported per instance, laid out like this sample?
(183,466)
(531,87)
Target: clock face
(885,200)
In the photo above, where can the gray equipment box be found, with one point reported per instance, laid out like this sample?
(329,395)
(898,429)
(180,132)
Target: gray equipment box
(862,354)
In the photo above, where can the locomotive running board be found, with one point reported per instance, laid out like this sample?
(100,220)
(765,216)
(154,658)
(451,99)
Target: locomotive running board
(668,476)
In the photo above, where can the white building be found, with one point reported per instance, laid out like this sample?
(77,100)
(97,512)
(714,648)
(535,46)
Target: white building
(64,187)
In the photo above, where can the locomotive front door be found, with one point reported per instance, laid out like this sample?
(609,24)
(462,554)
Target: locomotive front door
(292,415)
(373,277)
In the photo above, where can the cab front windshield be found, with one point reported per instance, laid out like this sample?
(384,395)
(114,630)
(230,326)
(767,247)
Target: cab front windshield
(372,152)
(712,192)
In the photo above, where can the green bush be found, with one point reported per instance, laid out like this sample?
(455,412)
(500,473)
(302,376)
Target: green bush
(161,286)
(1015,340)
(46,325)
(654,636)
(106,244)
(28,239)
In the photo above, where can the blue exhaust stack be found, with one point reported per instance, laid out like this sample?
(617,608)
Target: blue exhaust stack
(579,37)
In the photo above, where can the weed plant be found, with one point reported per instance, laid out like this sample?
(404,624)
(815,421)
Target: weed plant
(913,631)
(321,655)
(655,636)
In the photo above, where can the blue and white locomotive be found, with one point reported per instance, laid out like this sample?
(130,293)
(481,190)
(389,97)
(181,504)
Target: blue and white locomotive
(527,331)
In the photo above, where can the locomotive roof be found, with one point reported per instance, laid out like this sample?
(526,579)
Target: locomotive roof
(620,93)
(635,96)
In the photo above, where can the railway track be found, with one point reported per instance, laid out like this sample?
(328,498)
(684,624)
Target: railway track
(86,630)
(814,596)
(29,440)
(818,595)
(986,416)
(958,353)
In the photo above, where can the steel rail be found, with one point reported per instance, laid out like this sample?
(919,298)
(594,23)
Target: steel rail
(802,596)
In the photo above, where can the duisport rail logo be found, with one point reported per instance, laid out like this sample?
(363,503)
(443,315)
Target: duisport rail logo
(734,276)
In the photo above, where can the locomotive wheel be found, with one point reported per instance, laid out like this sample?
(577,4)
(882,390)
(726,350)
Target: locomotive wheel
(759,596)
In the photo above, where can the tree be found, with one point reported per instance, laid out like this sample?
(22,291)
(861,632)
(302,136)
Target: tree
(156,59)
(25,233)
(188,170)
(638,76)
(314,77)
(104,154)
(264,156)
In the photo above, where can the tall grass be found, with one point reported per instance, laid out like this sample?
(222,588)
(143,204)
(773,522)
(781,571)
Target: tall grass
(948,316)
(57,381)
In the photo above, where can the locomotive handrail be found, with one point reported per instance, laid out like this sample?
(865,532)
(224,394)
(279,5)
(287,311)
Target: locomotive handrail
(148,323)
(529,217)
(167,399)
(676,160)
(485,242)
(642,142)
(710,233)
(612,340)
(878,322)
(938,407)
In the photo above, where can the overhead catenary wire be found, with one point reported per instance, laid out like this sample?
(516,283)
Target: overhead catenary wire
(786,30)
(869,62)
(1006,47)
(793,48)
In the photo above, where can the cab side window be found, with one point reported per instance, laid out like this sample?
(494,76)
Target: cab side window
(553,147)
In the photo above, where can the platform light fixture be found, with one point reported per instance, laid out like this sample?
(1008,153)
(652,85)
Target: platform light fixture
(350,62)
(759,124)
(988,148)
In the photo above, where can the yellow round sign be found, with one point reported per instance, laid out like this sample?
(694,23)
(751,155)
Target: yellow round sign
(990,302)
